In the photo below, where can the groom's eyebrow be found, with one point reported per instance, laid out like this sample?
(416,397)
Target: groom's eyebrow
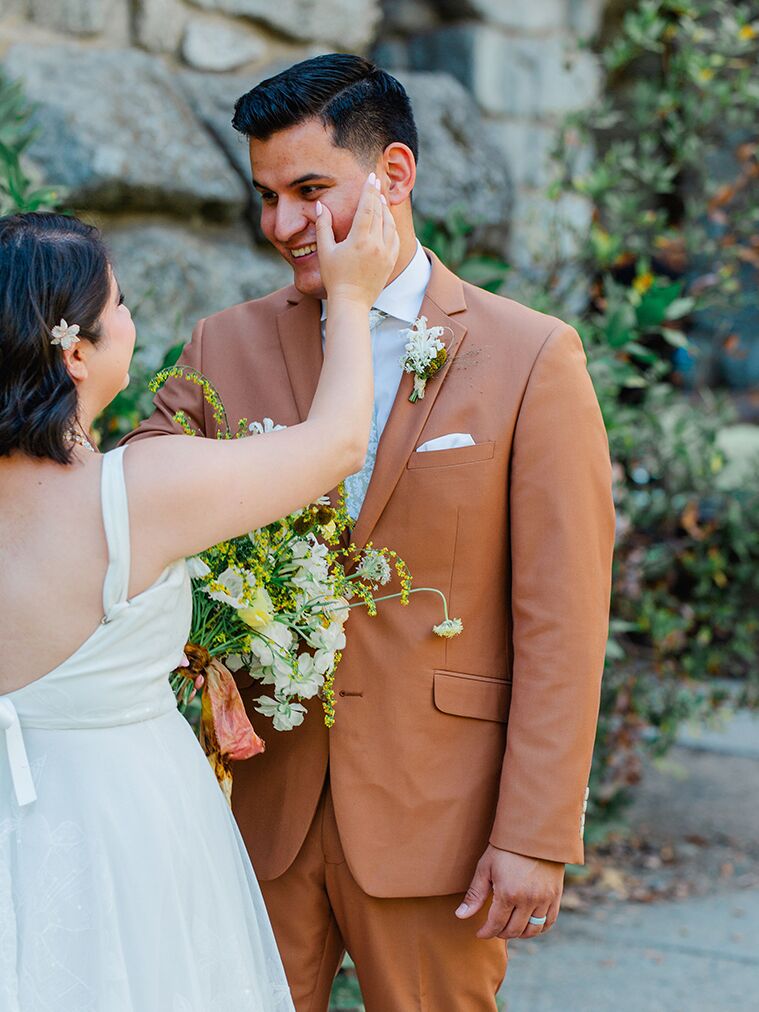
(308,178)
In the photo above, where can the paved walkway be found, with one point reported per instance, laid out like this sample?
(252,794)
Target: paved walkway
(693,955)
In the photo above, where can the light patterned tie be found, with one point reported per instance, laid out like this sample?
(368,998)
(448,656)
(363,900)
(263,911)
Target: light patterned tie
(357,484)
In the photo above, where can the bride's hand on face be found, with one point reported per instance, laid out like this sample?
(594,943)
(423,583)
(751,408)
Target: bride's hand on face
(358,267)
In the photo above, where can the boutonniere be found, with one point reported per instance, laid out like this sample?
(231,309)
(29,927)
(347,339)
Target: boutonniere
(425,355)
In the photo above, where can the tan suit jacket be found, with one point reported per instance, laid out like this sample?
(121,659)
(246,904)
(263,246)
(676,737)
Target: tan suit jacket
(442,745)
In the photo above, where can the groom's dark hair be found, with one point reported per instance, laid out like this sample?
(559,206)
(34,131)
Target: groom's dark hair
(365,107)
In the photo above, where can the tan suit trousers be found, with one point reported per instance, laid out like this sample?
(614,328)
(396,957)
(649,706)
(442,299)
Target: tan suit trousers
(411,955)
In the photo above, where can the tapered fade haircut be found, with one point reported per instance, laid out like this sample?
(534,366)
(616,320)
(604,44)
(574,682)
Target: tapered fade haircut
(365,108)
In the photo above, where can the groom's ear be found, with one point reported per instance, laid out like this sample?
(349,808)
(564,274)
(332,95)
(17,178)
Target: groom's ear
(399,167)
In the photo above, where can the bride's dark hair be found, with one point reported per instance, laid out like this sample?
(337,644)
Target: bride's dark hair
(52,267)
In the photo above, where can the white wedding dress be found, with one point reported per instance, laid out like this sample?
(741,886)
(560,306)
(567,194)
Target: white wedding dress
(124,882)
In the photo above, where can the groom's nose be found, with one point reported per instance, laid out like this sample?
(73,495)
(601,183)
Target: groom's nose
(290,219)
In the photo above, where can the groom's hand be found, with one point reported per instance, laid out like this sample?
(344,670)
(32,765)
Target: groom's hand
(522,887)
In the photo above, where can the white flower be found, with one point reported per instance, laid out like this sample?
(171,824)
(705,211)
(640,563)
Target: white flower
(65,335)
(329,637)
(308,680)
(310,560)
(259,428)
(280,677)
(449,628)
(423,345)
(374,567)
(228,587)
(197,568)
(309,551)
(337,610)
(324,661)
(286,715)
(234,662)
(271,647)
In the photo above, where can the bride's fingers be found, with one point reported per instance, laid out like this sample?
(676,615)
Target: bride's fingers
(389,230)
(367,210)
(325,237)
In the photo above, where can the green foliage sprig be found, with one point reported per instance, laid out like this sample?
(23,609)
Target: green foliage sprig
(673,245)
(17,190)
(673,183)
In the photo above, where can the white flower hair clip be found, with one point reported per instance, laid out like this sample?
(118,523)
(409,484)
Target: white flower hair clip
(66,336)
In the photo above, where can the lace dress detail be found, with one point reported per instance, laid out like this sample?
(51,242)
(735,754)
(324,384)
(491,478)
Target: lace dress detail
(124,882)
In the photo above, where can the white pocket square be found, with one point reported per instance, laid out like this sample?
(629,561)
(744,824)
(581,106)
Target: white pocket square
(448,442)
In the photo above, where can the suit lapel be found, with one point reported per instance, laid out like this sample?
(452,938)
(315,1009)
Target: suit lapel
(301,341)
(444,296)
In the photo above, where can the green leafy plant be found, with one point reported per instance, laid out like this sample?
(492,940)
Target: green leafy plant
(672,256)
(451,240)
(685,598)
(673,182)
(17,190)
(346,993)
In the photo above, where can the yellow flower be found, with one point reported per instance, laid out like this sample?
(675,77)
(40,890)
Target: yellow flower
(747,32)
(260,612)
(643,282)
(328,530)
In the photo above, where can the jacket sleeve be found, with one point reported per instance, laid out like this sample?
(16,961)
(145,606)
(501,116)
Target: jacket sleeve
(176,395)
(562,535)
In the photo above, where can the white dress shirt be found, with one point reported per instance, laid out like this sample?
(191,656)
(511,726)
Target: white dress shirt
(402,301)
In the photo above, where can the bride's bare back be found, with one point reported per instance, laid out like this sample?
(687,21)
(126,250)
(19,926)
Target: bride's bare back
(54,557)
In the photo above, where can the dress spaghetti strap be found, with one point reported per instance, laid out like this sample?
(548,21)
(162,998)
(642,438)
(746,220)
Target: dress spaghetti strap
(113,495)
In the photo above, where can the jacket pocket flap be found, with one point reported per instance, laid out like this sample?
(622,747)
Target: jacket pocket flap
(454,455)
(472,695)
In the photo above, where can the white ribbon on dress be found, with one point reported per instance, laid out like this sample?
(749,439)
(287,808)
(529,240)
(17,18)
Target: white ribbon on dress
(18,760)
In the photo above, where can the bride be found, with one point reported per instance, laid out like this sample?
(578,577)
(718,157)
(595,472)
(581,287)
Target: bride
(124,884)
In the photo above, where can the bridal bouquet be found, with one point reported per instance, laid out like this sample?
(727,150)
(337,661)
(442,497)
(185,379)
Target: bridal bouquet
(275,601)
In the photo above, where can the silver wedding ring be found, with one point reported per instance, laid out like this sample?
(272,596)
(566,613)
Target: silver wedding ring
(538,920)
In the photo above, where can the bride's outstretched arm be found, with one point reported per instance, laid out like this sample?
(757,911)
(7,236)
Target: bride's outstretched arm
(188,493)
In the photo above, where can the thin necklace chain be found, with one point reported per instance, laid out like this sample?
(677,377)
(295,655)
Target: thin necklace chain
(83,441)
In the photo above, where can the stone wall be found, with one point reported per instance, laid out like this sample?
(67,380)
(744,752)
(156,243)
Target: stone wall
(527,65)
(134,100)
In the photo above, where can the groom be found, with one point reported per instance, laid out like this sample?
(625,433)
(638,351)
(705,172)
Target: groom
(434,820)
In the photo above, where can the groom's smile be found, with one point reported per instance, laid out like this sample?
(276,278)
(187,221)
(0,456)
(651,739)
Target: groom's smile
(293,169)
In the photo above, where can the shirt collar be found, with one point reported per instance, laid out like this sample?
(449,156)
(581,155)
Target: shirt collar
(402,298)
